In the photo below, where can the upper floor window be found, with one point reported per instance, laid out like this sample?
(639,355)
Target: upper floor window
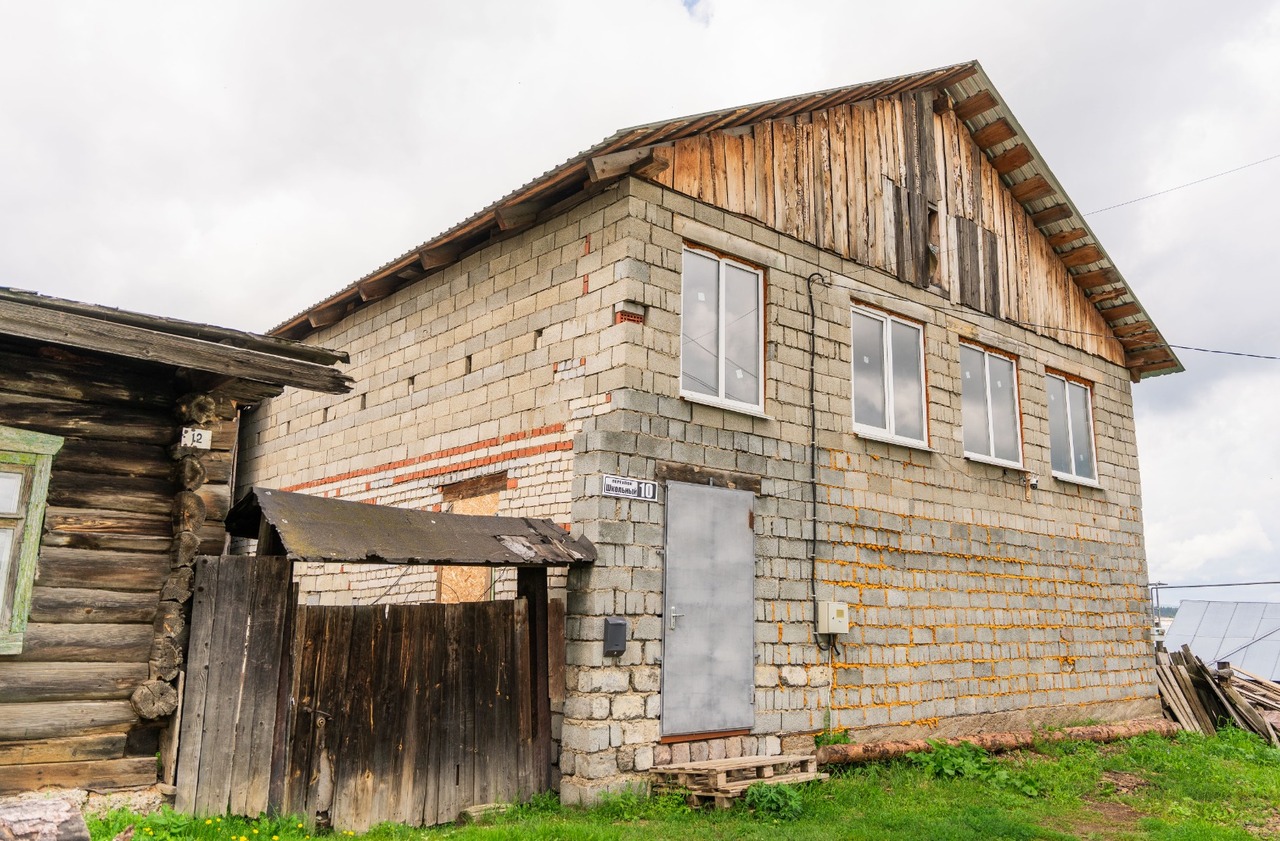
(989,405)
(1070,429)
(721,352)
(25,459)
(888,377)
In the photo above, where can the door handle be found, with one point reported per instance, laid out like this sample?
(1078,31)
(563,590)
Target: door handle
(674,617)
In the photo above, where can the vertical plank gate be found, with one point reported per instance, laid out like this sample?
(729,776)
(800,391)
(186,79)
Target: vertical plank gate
(356,715)
(410,713)
(236,664)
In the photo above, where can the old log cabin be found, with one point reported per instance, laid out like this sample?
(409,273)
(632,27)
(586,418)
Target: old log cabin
(839,387)
(117,436)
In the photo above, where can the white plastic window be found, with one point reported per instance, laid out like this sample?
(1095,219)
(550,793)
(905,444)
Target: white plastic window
(721,326)
(989,405)
(888,377)
(1071,429)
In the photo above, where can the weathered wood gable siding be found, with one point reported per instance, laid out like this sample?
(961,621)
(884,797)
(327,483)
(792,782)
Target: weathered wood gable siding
(98,623)
(860,180)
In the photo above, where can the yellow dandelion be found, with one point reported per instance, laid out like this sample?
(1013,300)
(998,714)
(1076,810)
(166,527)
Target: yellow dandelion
(208,820)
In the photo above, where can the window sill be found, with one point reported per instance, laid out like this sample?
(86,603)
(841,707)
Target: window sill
(995,462)
(1077,480)
(884,438)
(727,405)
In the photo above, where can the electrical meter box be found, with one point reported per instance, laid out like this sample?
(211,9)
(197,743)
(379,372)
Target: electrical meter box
(615,636)
(833,618)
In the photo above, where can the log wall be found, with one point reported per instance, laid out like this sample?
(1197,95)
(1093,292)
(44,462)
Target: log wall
(898,184)
(86,703)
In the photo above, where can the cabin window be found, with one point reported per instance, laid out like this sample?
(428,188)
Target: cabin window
(721,326)
(1071,429)
(888,378)
(25,458)
(989,406)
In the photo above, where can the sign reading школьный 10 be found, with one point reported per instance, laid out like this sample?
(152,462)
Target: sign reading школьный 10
(629,488)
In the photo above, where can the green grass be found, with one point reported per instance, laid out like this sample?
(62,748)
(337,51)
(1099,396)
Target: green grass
(1193,788)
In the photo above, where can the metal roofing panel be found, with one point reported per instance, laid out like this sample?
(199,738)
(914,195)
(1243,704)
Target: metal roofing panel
(1246,634)
(1187,620)
(317,529)
(1245,620)
(1262,658)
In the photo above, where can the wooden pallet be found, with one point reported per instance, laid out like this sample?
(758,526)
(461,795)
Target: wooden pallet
(720,781)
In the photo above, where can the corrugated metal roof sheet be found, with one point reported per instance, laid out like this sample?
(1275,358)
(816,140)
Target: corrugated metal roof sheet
(1246,634)
(317,529)
(1148,354)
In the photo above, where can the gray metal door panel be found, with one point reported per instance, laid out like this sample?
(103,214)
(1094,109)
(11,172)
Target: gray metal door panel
(708,664)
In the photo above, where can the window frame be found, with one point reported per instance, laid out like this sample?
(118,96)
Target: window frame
(718,399)
(990,458)
(32,454)
(1087,387)
(888,434)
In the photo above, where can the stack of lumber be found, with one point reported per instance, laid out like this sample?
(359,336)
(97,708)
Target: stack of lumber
(719,781)
(1201,699)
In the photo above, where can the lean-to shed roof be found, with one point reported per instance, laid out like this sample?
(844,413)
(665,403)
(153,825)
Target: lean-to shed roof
(317,529)
(977,103)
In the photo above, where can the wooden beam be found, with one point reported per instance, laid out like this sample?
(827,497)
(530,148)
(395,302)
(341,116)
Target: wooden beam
(1096,278)
(1156,366)
(1140,341)
(603,167)
(377,288)
(1011,159)
(658,161)
(434,258)
(1122,311)
(980,103)
(1067,237)
(993,134)
(69,329)
(1145,357)
(1111,295)
(1032,189)
(324,316)
(522,215)
(1051,214)
(645,162)
(1082,256)
(1135,329)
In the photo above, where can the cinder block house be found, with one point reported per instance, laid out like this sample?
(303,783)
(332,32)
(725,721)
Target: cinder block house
(839,387)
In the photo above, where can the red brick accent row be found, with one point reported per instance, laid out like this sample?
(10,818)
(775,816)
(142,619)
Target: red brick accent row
(550,429)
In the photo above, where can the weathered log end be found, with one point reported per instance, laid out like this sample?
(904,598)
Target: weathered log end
(197,408)
(189,472)
(186,545)
(188,512)
(154,699)
(995,742)
(45,820)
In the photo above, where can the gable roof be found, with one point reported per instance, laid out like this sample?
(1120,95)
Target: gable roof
(977,103)
(316,529)
(261,365)
(1245,634)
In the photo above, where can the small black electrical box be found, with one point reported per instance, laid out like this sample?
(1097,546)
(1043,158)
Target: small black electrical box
(615,636)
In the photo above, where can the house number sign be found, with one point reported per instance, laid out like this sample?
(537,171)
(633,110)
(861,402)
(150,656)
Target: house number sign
(621,486)
(200,439)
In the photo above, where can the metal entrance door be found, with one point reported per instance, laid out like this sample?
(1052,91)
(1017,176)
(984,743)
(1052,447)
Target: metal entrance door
(709,628)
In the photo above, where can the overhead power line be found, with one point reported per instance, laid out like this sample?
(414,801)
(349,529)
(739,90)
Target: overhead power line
(1182,186)
(1199,586)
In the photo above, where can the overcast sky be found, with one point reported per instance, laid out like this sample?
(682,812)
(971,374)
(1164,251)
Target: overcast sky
(236,162)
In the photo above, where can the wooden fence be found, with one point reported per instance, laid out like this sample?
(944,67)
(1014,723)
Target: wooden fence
(406,713)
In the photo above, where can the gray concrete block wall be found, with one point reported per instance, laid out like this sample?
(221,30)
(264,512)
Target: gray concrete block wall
(977,603)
